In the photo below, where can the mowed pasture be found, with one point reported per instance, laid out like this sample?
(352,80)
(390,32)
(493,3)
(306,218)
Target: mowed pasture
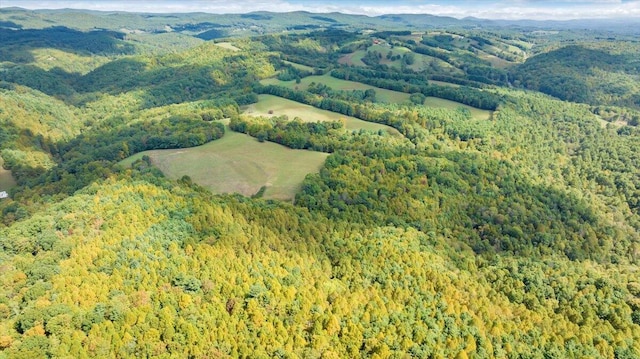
(421,62)
(476,113)
(300,66)
(238,163)
(269,105)
(383,95)
(353,59)
(227,45)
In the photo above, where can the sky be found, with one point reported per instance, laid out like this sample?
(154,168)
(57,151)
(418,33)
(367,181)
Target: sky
(488,9)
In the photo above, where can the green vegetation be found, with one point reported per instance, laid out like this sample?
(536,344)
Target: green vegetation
(452,105)
(598,74)
(269,105)
(176,197)
(230,165)
(227,45)
(382,95)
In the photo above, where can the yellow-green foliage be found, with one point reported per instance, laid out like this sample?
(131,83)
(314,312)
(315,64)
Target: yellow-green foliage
(132,269)
(43,115)
(269,106)
(27,157)
(48,58)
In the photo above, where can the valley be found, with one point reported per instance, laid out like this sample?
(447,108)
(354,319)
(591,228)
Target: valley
(306,185)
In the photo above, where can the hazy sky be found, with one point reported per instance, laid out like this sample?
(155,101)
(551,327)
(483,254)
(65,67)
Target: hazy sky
(492,9)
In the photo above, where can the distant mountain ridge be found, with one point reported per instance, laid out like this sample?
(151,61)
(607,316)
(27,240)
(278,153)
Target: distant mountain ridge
(262,22)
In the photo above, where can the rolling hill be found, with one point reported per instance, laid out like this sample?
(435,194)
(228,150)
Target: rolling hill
(292,192)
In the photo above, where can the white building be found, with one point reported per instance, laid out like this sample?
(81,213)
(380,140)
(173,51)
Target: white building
(4,194)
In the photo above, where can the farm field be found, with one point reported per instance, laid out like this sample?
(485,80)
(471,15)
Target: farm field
(383,95)
(452,105)
(442,83)
(227,45)
(299,66)
(231,165)
(281,106)
(422,62)
(354,58)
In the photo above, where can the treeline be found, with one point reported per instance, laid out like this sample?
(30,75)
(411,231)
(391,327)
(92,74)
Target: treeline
(289,72)
(323,90)
(296,134)
(389,33)
(326,137)
(469,96)
(364,110)
(409,121)
(92,156)
(173,132)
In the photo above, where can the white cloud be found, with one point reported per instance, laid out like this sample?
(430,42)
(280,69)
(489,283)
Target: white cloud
(502,9)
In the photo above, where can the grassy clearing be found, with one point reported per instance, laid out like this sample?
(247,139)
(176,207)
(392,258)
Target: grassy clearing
(442,83)
(47,59)
(496,61)
(238,163)
(279,106)
(6,180)
(227,45)
(382,95)
(354,59)
(452,105)
(422,62)
(300,66)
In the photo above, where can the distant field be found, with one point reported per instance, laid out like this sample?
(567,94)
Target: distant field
(421,61)
(300,66)
(281,106)
(452,105)
(496,61)
(442,83)
(227,45)
(6,180)
(238,163)
(382,95)
(354,58)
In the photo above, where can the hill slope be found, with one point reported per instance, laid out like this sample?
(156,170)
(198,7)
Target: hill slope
(428,231)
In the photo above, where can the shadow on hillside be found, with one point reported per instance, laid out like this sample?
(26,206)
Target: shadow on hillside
(15,45)
(161,85)
(55,82)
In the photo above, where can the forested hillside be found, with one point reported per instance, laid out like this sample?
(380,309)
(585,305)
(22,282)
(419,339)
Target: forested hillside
(476,195)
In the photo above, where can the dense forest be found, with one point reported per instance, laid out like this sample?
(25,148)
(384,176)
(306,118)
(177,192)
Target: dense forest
(480,195)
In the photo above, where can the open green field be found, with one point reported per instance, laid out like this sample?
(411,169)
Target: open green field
(280,106)
(442,83)
(299,66)
(6,180)
(382,95)
(227,45)
(354,58)
(421,61)
(238,163)
(495,61)
(452,105)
